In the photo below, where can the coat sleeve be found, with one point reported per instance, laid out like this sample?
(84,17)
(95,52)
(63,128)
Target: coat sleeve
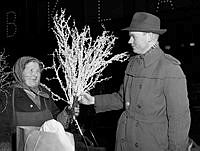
(178,113)
(114,101)
(108,102)
(59,115)
(53,108)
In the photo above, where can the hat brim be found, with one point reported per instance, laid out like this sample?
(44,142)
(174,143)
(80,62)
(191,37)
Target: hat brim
(157,31)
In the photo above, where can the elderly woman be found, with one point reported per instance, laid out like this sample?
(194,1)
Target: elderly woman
(26,102)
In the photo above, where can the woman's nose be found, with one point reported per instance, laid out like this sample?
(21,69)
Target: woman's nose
(34,73)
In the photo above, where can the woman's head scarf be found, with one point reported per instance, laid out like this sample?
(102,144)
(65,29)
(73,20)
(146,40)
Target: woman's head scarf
(18,73)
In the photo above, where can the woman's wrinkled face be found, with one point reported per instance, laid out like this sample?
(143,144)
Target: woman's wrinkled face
(31,74)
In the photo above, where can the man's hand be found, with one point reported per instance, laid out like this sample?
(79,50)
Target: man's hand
(87,99)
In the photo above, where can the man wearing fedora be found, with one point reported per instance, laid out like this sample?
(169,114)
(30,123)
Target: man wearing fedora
(153,94)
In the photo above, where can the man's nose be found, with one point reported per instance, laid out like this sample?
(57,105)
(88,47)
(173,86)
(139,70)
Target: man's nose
(130,40)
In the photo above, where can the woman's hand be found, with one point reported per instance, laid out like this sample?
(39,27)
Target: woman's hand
(77,110)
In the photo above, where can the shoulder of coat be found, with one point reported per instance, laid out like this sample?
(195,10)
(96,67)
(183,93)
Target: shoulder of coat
(172,59)
(43,87)
(130,62)
(131,58)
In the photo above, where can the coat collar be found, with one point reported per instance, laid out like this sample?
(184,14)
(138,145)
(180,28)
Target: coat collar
(151,56)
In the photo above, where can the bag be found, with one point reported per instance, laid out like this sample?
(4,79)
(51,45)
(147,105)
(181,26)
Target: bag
(30,138)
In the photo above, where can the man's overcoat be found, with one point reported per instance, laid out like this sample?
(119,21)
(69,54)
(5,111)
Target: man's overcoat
(154,95)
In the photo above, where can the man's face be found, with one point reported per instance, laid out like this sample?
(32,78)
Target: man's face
(139,42)
(31,74)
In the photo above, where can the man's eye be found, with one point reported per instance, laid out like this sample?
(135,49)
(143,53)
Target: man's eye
(133,38)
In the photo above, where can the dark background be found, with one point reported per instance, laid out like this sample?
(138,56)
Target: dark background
(25,29)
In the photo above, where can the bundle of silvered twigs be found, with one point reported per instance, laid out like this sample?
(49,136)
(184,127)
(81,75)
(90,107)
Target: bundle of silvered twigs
(5,78)
(79,60)
(5,71)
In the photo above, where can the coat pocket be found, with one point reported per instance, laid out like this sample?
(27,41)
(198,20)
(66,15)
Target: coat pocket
(160,134)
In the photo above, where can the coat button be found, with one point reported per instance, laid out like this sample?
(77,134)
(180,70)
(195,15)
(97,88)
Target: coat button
(137,123)
(139,106)
(136,145)
(123,140)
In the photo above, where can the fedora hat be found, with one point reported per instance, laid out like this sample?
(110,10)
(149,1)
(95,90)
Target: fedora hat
(145,22)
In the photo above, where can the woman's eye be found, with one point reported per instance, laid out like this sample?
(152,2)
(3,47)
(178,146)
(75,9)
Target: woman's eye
(32,71)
